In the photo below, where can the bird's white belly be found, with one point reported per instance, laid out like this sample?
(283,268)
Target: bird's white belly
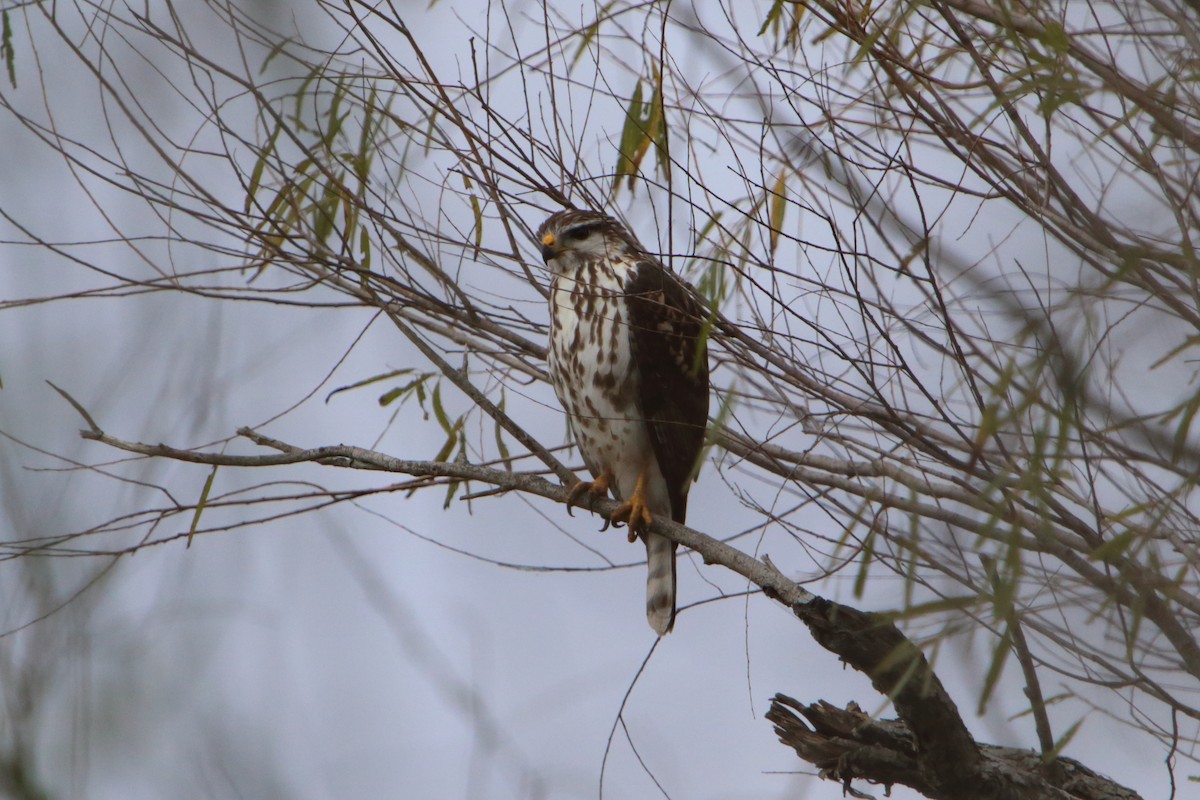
(591,363)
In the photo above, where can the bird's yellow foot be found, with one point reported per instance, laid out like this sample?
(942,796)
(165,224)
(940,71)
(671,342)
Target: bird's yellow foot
(595,489)
(634,512)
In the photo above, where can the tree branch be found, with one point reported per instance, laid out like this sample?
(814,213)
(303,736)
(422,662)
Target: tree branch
(928,749)
(945,751)
(846,745)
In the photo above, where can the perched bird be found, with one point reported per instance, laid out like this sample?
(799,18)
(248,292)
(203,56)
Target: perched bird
(628,362)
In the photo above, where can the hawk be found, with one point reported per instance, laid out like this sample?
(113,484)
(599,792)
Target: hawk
(628,362)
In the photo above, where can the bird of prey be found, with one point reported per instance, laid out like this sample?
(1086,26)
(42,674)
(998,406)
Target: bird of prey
(628,362)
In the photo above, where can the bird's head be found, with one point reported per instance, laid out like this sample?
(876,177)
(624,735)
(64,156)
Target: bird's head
(571,238)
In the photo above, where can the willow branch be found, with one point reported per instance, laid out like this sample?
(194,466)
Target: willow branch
(942,753)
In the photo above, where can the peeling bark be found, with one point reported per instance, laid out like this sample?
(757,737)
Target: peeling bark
(928,748)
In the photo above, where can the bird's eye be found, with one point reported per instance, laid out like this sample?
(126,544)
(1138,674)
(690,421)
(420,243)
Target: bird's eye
(576,234)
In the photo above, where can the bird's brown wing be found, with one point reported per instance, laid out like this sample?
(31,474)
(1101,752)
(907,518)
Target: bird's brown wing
(666,329)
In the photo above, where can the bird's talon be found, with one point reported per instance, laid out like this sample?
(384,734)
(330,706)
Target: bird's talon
(594,489)
(573,495)
(635,514)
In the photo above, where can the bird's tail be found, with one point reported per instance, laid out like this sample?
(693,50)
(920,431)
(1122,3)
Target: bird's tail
(660,583)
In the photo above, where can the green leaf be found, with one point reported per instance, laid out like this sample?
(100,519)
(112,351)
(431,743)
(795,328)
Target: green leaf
(914,561)
(200,504)
(260,165)
(325,212)
(415,386)
(778,205)
(656,125)
(590,32)
(773,16)
(440,412)
(864,565)
(389,397)
(709,226)
(1054,35)
(6,49)
(420,388)
(906,654)
(364,246)
(1062,742)
(1115,546)
(936,606)
(452,439)
(335,118)
(452,488)
(500,446)
(1187,415)
(712,285)
(996,669)
(373,379)
(645,124)
(300,95)
(724,413)
(1046,703)
(700,355)
(276,50)
(477,211)
(635,139)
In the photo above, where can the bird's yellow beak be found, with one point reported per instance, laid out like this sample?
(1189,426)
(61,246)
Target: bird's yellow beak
(548,249)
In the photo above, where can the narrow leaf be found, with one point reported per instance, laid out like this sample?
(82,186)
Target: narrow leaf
(936,606)
(656,126)
(772,16)
(200,504)
(451,440)
(1114,547)
(453,488)
(440,412)
(778,206)
(635,139)
(260,165)
(6,49)
(364,246)
(996,669)
(500,446)
(865,559)
(367,382)
(587,34)
(1062,742)
(477,210)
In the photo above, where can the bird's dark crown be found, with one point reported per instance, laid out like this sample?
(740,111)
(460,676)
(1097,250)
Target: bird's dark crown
(574,223)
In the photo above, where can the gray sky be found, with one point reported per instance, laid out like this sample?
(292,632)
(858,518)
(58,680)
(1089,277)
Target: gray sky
(340,654)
